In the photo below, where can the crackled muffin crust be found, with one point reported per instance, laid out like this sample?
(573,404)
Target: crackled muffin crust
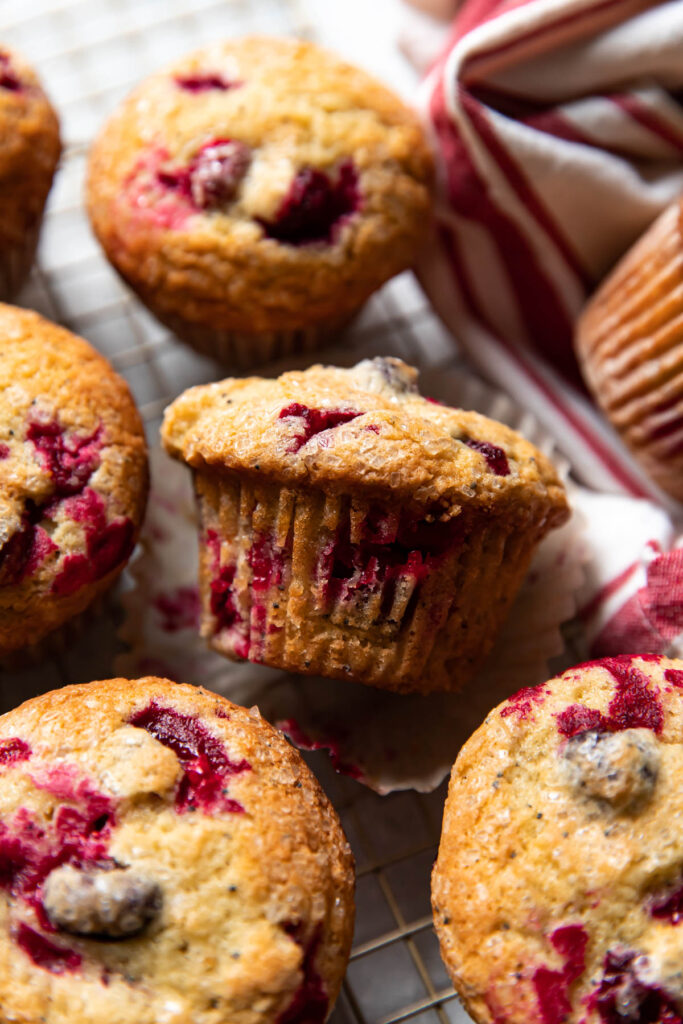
(558,889)
(259,187)
(73,477)
(354,528)
(165,856)
(29,152)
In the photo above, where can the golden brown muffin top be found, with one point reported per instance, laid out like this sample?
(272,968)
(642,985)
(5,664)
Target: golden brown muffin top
(558,890)
(366,429)
(73,474)
(29,130)
(260,167)
(166,857)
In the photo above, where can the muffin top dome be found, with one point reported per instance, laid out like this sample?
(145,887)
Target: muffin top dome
(367,430)
(251,163)
(73,475)
(165,856)
(558,890)
(28,124)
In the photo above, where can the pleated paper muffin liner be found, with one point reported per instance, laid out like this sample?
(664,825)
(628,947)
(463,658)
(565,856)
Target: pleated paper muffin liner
(388,741)
(16,260)
(244,350)
(325,583)
(630,341)
(55,644)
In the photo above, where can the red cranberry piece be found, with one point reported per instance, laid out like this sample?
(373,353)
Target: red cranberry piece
(205,82)
(216,172)
(69,459)
(311,1001)
(496,458)
(47,954)
(8,77)
(315,421)
(211,179)
(315,206)
(205,761)
(623,998)
(14,750)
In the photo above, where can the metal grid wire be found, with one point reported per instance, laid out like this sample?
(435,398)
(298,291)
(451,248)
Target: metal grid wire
(89,53)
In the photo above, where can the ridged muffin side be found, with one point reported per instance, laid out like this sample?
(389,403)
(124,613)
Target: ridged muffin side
(352,528)
(630,344)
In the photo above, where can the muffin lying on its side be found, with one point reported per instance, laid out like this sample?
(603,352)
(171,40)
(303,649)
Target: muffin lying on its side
(352,528)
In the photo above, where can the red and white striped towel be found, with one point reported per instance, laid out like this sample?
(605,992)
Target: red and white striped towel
(560,125)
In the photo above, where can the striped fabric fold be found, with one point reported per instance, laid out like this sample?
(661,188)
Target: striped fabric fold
(560,129)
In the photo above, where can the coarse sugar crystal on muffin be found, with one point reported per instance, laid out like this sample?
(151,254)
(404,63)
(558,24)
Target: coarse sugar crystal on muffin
(165,856)
(30,149)
(257,192)
(354,529)
(558,888)
(629,342)
(73,478)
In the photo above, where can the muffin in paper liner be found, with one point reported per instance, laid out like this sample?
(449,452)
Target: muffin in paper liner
(31,146)
(255,193)
(629,341)
(361,531)
(372,735)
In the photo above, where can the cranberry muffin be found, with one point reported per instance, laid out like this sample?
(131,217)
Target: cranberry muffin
(558,889)
(629,342)
(255,194)
(165,856)
(30,149)
(73,478)
(352,528)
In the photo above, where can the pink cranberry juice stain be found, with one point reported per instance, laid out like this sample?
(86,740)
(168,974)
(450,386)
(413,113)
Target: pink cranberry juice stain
(205,762)
(205,81)
(14,750)
(635,704)
(291,727)
(179,609)
(522,702)
(107,544)
(311,1001)
(315,207)
(46,954)
(496,458)
(552,987)
(655,1005)
(314,421)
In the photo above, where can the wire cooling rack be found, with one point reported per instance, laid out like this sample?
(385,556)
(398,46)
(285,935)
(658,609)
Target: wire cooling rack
(89,54)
